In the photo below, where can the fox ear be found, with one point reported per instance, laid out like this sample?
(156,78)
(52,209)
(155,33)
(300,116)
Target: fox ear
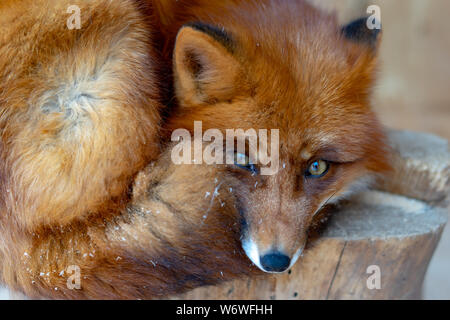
(205,69)
(364,31)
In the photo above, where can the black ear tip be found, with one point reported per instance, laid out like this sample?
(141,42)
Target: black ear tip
(363,31)
(219,34)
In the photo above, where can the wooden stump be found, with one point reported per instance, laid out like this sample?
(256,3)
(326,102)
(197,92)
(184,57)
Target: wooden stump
(372,232)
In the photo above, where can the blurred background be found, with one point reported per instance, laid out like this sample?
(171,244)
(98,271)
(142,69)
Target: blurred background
(413,92)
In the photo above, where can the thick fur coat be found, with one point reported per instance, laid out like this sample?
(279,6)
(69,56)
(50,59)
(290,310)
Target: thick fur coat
(83,178)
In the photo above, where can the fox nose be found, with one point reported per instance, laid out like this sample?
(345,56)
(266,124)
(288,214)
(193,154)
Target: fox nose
(275,262)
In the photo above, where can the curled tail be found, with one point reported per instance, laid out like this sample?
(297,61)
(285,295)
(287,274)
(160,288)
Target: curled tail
(79,110)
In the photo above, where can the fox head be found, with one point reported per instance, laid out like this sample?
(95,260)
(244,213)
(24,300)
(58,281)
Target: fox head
(283,65)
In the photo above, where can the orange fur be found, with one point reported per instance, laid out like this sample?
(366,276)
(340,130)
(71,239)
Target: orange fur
(80,118)
(284,65)
(66,95)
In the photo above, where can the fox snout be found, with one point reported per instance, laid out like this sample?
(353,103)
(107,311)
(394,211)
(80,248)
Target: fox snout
(275,259)
(275,223)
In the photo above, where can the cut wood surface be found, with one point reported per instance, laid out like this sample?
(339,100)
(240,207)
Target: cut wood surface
(421,167)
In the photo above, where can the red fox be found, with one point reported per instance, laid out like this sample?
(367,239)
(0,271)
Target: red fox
(83,183)
(283,65)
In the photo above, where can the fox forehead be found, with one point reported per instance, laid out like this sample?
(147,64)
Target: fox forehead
(336,145)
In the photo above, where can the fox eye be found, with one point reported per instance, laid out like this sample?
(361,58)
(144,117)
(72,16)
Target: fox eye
(317,169)
(243,161)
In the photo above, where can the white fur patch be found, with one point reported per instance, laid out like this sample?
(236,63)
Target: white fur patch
(251,249)
(297,255)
